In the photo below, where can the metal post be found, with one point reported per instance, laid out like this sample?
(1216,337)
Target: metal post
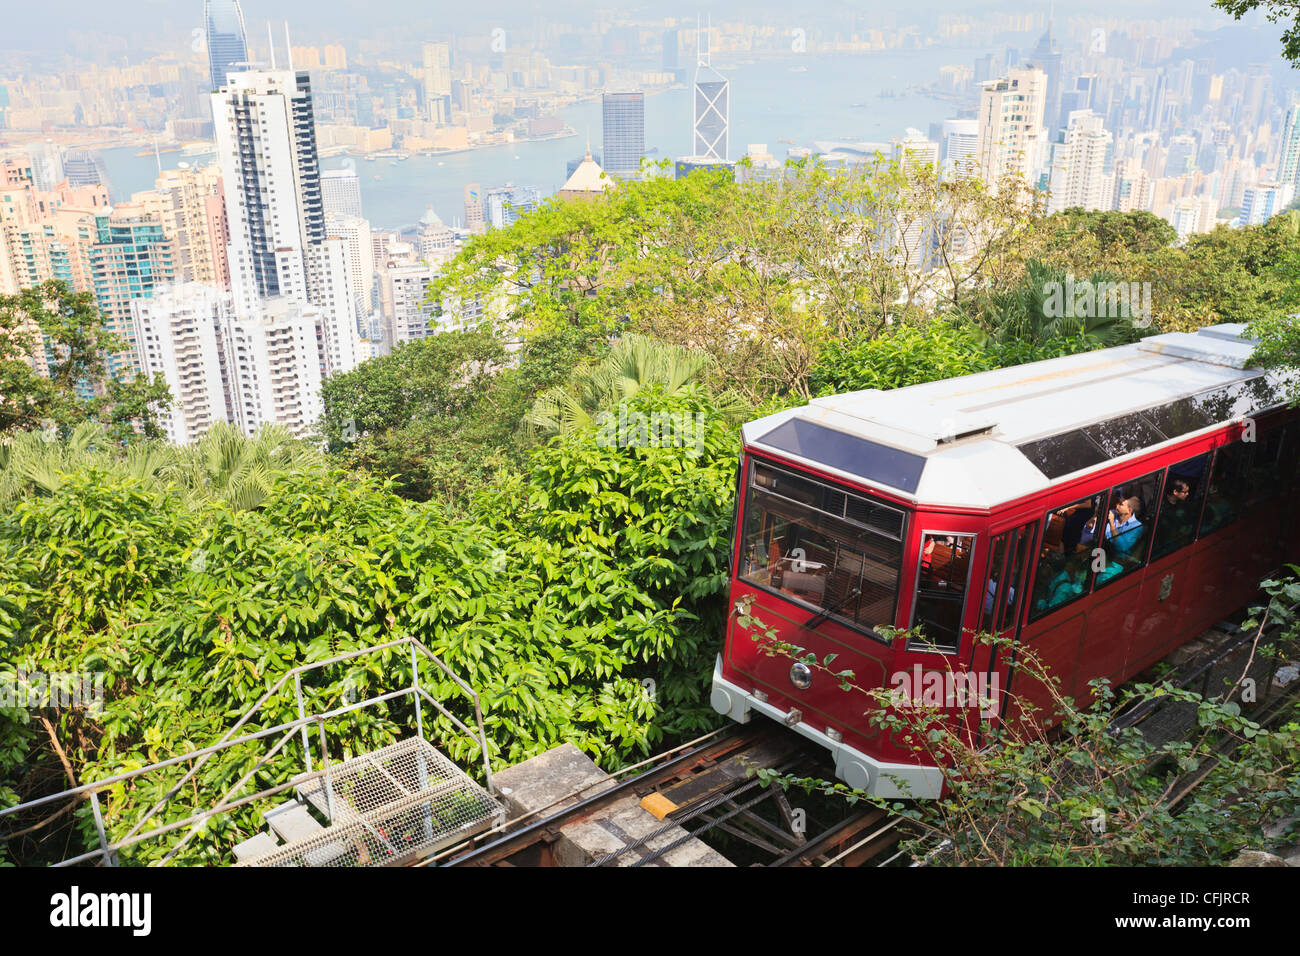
(420,763)
(325,762)
(99,828)
(306,737)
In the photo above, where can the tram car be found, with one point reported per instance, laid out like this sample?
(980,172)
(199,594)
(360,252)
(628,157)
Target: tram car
(1101,509)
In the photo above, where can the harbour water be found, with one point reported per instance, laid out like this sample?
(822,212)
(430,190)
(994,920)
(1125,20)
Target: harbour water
(798,99)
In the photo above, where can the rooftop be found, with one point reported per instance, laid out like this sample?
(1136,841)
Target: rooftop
(980,440)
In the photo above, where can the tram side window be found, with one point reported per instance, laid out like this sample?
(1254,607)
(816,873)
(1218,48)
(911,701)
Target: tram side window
(1265,467)
(997,569)
(941,591)
(1064,562)
(1180,505)
(1227,487)
(1125,537)
(1006,563)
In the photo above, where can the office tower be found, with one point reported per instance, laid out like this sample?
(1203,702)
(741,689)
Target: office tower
(341,192)
(84,167)
(436,243)
(1288,164)
(572,165)
(1047,57)
(959,144)
(474,208)
(587,181)
(47,166)
(712,108)
(1263,201)
(131,259)
(914,151)
(356,235)
(1011,134)
(672,46)
(1078,171)
(266,144)
(505,204)
(437,82)
(623,127)
(273,366)
(178,336)
(1081,96)
(408,314)
(190,203)
(1182,155)
(227,39)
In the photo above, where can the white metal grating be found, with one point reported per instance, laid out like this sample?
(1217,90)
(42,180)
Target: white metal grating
(392,805)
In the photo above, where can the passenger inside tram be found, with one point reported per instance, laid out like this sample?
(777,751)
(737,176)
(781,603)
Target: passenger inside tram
(1123,536)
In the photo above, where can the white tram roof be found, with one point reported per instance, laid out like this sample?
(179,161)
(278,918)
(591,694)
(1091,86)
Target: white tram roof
(979,440)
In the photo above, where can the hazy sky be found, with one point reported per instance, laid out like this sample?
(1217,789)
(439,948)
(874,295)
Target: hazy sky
(45,26)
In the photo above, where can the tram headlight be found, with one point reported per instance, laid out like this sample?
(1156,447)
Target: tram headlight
(801,676)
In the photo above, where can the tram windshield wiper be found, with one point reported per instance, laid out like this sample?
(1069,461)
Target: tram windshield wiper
(826,612)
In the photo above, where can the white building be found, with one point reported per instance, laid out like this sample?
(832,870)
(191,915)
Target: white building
(359,241)
(177,335)
(1011,134)
(1078,171)
(273,366)
(959,144)
(1263,201)
(341,192)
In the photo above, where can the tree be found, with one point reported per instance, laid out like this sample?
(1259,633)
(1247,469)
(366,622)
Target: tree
(52,325)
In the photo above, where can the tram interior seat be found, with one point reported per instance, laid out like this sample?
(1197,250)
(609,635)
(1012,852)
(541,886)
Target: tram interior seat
(941,564)
(810,587)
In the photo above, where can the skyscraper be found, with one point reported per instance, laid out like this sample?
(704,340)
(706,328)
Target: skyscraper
(227,40)
(1047,57)
(341,192)
(1011,134)
(437,82)
(958,147)
(1078,174)
(474,207)
(712,108)
(623,126)
(266,144)
(1288,165)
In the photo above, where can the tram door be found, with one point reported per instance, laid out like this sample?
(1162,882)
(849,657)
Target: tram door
(1001,600)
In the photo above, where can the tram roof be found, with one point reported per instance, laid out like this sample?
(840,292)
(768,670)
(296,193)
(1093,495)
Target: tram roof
(979,440)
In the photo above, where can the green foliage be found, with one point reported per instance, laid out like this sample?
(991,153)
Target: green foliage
(581,599)
(62,328)
(905,355)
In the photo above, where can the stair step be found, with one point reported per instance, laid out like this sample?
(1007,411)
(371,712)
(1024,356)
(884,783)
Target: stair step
(292,821)
(260,844)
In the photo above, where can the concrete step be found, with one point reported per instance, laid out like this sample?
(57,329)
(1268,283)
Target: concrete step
(292,822)
(260,844)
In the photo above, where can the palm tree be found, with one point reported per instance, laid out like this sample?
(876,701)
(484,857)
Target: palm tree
(633,363)
(228,467)
(38,462)
(1033,311)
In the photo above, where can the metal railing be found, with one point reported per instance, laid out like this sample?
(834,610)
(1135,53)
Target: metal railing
(286,730)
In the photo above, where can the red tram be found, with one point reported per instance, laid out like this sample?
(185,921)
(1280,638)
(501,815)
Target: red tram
(1101,508)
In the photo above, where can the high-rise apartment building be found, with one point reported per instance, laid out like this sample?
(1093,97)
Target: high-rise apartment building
(178,335)
(359,243)
(623,128)
(1011,133)
(1288,164)
(1078,175)
(273,366)
(223,22)
(1263,201)
(131,259)
(190,203)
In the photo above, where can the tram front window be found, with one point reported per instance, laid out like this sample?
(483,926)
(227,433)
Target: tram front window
(835,551)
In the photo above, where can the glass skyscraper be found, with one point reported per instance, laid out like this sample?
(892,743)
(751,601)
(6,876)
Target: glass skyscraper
(227,40)
(623,125)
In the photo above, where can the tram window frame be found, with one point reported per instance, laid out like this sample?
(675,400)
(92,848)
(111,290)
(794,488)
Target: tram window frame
(1096,499)
(847,616)
(927,643)
(1258,492)
(1123,491)
(1196,501)
(1235,509)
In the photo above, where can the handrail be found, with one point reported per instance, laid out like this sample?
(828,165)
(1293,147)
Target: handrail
(287,729)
